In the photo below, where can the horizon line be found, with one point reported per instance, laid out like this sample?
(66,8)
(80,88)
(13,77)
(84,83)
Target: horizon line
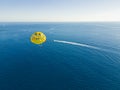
(54,21)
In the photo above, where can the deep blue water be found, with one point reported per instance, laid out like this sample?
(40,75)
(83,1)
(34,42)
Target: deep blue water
(60,66)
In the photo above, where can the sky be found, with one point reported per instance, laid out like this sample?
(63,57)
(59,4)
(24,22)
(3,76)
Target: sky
(59,10)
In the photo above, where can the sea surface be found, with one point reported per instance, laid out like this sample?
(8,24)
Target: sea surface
(76,56)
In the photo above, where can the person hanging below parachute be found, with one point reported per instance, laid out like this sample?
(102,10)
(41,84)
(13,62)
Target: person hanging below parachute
(38,38)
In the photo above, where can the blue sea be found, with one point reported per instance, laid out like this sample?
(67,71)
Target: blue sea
(76,56)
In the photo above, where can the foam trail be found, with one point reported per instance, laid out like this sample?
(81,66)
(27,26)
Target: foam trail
(77,44)
(85,45)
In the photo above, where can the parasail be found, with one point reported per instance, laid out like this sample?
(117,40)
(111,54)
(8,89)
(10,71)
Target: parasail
(38,38)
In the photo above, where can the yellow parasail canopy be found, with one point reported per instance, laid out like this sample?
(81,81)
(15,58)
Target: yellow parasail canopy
(38,38)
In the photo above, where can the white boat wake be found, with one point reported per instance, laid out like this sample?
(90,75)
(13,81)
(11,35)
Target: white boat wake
(77,44)
(85,45)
